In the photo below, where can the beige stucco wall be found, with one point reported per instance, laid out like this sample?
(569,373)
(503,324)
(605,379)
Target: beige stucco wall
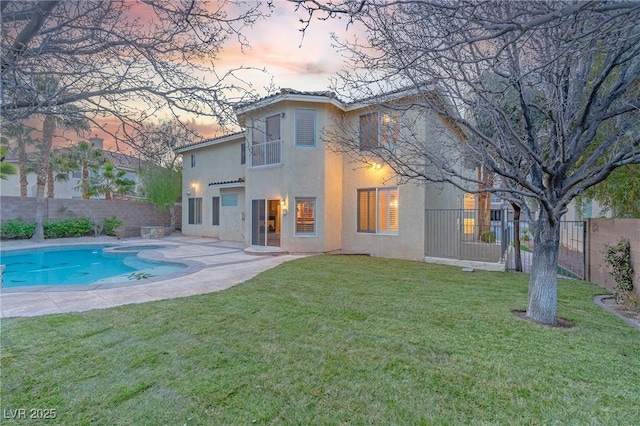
(216,163)
(414,197)
(305,172)
(409,242)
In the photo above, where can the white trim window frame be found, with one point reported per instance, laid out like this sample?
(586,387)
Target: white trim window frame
(306,217)
(377,211)
(266,141)
(305,128)
(195,211)
(380,129)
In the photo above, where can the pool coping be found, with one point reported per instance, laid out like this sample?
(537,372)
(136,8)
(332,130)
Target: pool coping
(149,255)
(215,265)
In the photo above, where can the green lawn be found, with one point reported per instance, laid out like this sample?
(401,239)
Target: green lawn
(331,340)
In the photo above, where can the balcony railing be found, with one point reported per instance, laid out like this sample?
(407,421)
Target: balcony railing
(267,153)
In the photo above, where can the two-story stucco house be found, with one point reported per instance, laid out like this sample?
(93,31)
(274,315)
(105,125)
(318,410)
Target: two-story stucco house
(278,185)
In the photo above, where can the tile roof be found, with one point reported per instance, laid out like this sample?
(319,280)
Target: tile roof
(227,182)
(210,141)
(287,91)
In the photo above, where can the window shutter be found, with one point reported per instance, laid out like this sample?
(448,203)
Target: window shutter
(305,127)
(368,131)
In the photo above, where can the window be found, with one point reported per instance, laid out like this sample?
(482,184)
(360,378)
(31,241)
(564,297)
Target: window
(243,153)
(266,130)
(305,127)
(215,211)
(379,130)
(230,200)
(378,210)
(265,142)
(389,129)
(76,174)
(195,211)
(305,216)
(193,160)
(368,131)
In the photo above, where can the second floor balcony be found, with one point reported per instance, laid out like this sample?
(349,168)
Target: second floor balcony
(266,153)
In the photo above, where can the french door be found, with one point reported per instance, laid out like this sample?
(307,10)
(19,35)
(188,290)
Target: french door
(265,223)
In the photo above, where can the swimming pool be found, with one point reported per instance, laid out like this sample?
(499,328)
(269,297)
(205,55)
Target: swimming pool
(79,266)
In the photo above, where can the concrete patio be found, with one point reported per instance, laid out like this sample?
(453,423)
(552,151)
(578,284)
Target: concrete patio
(212,265)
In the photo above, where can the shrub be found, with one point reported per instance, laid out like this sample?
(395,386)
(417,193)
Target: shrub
(17,229)
(67,228)
(488,237)
(110,225)
(618,257)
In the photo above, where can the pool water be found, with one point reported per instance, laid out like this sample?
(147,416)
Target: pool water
(76,266)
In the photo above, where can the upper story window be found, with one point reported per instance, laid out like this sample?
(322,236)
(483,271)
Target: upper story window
(305,121)
(379,129)
(266,142)
(243,153)
(266,130)
(193,160)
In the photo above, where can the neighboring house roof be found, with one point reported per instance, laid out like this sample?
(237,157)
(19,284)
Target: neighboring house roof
(123,161)
(120,160)
(209,142)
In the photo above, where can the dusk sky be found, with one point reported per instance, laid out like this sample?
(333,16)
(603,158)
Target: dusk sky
(277,45)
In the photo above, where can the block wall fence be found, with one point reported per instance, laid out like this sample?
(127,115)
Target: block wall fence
(601,232)
(130,213)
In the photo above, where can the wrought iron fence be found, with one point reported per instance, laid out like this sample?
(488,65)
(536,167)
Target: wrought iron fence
(490,236)
(571,253)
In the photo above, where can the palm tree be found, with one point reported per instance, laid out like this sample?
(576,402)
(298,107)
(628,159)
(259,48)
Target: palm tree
(66,116)
(111,182)
(6,169)
(87,158)
(18,135)
(59,168)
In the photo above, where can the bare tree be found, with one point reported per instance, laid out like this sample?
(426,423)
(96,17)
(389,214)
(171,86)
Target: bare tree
(117,61)
(122,60)
(573,68)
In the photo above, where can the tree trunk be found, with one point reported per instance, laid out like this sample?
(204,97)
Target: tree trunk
(516,237)
(22,168)
(50,184)
(543,283)
(85,182)
(172,216)
(48,128)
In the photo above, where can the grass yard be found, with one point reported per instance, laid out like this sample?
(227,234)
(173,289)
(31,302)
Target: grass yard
(331,340)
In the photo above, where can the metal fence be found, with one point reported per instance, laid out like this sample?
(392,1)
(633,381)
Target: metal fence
(571,253)
(489,236)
